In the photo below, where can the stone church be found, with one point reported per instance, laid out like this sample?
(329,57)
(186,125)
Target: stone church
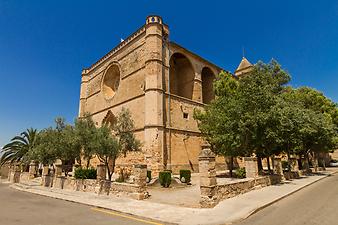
(161,83)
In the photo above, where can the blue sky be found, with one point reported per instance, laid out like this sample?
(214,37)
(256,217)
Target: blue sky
(45,44)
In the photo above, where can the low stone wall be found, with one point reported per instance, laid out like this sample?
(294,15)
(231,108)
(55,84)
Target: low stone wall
(24,177)
(291,175)
(4,171)
(230,190)
(101,187)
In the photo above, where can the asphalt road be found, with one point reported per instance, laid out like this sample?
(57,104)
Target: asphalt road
(316,204)
(21,208)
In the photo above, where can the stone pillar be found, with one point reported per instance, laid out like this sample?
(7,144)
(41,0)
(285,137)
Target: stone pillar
(58,178)
(207,171)
(140,173)
(277,166)
(75,166)
(294,164)
(58,170)
(45,176)
(32,170)
(15,174)
(101,172)
(154,136)
(306,167)
(251,167)
(83,92)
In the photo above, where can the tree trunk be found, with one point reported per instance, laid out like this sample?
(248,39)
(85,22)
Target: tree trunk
(88,162)
(268,162)
(259,164)
(315,161)
(231,166)
(289,162)
(299,162)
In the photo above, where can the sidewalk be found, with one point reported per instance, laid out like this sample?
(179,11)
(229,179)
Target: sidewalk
(226,212)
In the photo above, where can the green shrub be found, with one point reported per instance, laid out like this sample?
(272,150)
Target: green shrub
(240,173)
(81,173)
(165,178)
(186,174)
(149,175)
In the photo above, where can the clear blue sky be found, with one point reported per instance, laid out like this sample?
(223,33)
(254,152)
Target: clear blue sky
(45,44)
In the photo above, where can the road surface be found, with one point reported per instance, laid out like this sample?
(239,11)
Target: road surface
(316,204)
(22,208)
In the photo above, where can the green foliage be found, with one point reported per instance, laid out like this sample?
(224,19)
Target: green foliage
(81,173)
(59,142)
(85,131)
(149,175)
(240,173)
(165,178)
(123,131)
(20,147)
(112,140)
(186,174)
(258,114)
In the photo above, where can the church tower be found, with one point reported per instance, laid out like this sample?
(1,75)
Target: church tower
(244,67)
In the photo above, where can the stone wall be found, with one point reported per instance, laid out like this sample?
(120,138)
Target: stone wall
(101,187)
(230,190)
(4,171)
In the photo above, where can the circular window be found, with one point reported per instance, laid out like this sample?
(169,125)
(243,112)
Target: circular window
(111,81)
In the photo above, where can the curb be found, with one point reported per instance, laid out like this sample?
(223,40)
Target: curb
(26,189)
(45,194)
(282,197)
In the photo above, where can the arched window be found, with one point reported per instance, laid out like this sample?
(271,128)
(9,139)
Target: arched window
(181,76)
(111,81)
(109,120)
(207,85)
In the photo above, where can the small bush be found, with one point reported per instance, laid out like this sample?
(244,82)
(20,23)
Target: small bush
(186,174)
(240,173)
(165,178)
(149,175)
(81,173)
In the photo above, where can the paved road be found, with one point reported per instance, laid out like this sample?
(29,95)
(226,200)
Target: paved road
(21,208)
(316,204)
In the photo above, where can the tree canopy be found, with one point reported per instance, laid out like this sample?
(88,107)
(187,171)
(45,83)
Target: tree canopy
(260,114)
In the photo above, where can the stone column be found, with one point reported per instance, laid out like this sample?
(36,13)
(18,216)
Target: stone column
(15,174)
(58,170)
(293,164)
(251,167)
(75,166)
(32,170)
(45,176)
(305,164)
(154,132)
(101,172)
(207,171)
(278,169)
(140,173)
(58,179)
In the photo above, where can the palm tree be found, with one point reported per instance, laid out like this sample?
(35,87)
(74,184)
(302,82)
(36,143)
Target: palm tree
(19,147)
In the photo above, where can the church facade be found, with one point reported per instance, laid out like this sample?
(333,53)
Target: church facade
(161,83)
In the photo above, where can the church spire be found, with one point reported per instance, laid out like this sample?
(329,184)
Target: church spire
(244,66)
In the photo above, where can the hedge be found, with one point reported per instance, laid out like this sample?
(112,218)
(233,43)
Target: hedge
(165,178)
(186,174)
(81,173)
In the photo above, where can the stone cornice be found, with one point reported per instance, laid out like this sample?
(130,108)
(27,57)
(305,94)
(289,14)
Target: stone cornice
(117,48)
(196,56)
